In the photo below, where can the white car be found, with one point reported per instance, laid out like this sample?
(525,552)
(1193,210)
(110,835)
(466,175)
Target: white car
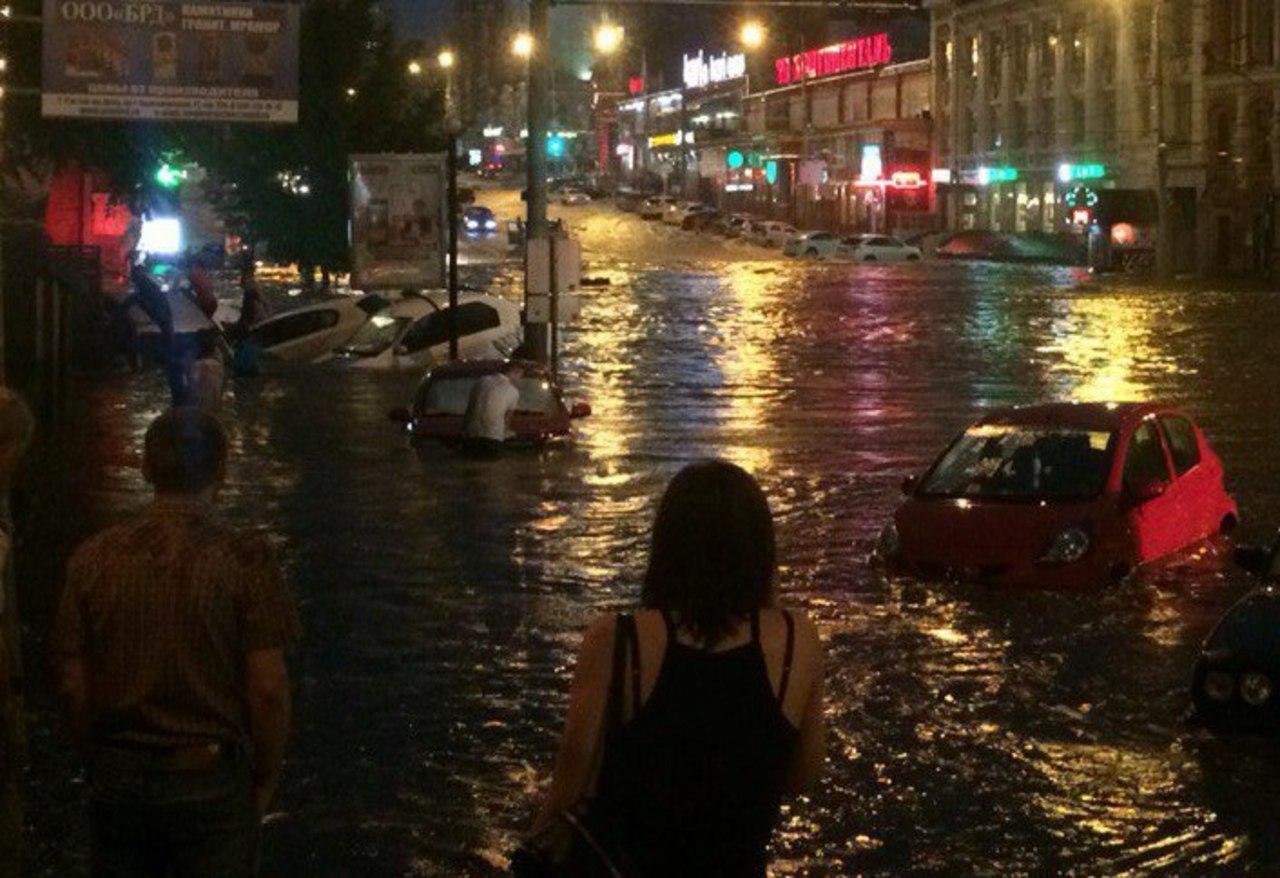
(770,233)
(312,333)
(812,245)
(574,197)
(675,213)
(414,332)
(876,248)
(653,208)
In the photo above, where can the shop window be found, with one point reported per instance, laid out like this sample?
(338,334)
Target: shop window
(1182,102)
(995,66)
(1107,117)
(1077,120)
(1075,55)
(1049,59)
(1047,124)
(1262,18)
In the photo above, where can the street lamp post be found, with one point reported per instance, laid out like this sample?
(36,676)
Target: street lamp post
(536,47)
(453,125)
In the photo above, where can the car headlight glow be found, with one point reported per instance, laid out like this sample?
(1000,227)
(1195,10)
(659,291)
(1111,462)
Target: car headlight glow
(1219,685)
(472,224)
(491,224)
(1255,689)
(889,543)
(1067,547)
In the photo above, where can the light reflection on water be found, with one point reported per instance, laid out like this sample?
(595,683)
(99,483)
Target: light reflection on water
(972,732)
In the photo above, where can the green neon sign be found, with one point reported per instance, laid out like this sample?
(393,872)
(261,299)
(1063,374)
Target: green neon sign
(987,176)
(735,159)
(1068,173)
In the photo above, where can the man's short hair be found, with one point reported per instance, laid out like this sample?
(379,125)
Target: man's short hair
(185,451)
(17,424)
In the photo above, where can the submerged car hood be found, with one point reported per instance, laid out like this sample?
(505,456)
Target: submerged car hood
(962,533)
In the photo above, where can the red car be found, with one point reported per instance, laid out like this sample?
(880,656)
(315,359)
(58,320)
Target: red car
(440,404)
(1061,495)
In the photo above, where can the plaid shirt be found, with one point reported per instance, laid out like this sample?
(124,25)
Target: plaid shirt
(163,610)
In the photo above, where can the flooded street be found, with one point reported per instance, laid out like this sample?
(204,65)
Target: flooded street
(973,730)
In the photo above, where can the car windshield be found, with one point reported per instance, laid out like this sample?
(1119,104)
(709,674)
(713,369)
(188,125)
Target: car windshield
(449,396)
(1000,461)
(376,336)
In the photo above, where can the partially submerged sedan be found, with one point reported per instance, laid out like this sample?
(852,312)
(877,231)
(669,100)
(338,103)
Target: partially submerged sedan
(440,404)
(1061,495)
(414,332)
(312,333)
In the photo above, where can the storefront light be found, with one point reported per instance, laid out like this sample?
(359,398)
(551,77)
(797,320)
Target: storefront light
(941,175)
(987,176)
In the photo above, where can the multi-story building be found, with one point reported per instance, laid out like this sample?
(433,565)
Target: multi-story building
(1054,112)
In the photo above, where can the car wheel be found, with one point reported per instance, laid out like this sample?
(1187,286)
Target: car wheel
(914,257)
(812,253)
(868,258)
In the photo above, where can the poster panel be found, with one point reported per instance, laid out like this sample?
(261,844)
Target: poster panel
(398,215)
(232,61)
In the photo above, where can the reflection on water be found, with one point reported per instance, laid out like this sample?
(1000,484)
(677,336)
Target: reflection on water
(972,731)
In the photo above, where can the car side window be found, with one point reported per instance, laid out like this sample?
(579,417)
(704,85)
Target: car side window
(1145,461)
(433,329)
(1183,445)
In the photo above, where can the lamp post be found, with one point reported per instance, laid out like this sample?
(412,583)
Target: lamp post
(446,60)
(534,46)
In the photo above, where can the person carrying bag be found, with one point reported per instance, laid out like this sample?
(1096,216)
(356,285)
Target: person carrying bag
(576,842)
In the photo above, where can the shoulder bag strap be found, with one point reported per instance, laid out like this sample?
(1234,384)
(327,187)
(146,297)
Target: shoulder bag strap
(787,655)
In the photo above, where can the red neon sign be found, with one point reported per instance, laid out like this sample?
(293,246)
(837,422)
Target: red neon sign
(907,180)
(871,51)
(635,85)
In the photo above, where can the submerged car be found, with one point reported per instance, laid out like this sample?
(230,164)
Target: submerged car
(876,248)
(414,332)
(574,198)
(440,404)
(479,221)
(1236,681)
(812,245)
(1061,495)
(312,333)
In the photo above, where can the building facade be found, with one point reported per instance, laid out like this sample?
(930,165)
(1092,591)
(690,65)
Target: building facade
(1053,116)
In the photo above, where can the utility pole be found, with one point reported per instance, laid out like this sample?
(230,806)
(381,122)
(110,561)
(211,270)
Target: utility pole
(535,334)
(453,125)
(1164,206)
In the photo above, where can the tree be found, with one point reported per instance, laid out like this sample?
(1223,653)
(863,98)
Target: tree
(283,183)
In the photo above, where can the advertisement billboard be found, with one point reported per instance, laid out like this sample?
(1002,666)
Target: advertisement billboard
(154,59)
(398,221)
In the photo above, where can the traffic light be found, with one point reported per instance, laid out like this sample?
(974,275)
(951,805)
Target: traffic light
(170,176)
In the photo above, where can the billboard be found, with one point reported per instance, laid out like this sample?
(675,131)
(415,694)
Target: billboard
(398,221)
(154,59)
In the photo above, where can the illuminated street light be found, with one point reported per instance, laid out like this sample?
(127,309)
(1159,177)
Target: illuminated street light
(522,45)
(752,35)
(609,38)
(351,92)
(415,69)
(446,59)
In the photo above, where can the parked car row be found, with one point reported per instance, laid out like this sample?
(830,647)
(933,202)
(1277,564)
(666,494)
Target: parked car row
(854,248)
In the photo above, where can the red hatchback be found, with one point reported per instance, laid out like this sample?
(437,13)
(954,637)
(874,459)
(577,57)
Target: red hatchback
(440,404)
(1061,495)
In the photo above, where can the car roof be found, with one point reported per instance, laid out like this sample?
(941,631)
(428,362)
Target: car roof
(1082,415)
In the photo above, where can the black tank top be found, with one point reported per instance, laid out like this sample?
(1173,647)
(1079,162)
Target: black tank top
(692,784)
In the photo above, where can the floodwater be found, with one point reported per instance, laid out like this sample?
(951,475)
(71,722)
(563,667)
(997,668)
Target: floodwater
(973,730)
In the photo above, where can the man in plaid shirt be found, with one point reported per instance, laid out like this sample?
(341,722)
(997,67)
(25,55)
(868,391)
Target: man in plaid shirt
(170,640)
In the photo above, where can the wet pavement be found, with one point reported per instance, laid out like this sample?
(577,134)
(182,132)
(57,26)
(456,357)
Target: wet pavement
(974,731)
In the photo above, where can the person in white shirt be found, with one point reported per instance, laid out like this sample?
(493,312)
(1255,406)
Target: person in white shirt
(493,400)
(207,375)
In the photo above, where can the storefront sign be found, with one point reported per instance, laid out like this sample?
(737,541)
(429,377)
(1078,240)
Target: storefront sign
(857,54)
(493,131)
(987,176)
(1068,173)
(675,138)
(397,221)
(233,61)
(739,187)
(907,180)
(635,85)
(700,71)
(872,165)
(942,175)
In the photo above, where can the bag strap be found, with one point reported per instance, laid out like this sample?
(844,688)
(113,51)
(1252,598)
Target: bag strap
(625,640)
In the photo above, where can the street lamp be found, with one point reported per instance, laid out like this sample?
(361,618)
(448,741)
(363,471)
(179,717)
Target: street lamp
(752,35)
(608,38)
(446,59)
(415,68)
(522,45)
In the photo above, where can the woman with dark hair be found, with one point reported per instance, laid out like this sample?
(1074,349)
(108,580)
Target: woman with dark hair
(719,707)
